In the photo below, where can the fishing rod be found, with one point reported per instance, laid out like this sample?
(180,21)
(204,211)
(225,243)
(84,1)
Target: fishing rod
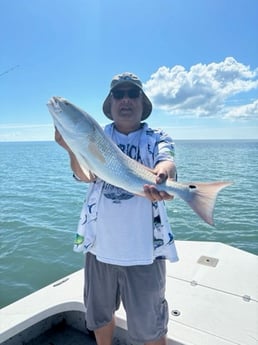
(9,70)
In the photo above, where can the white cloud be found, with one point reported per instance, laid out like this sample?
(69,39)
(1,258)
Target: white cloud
(204,90)
(247,111)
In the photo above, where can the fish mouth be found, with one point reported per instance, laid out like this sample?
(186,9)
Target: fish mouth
(54,104)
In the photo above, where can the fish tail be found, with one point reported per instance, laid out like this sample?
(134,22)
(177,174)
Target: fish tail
(202,197)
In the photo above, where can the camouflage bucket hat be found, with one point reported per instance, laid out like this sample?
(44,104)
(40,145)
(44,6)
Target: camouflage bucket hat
(127,78)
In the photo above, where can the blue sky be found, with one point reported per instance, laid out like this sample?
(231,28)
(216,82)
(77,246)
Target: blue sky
(198,60)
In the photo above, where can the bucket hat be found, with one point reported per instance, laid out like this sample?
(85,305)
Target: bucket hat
(127,78)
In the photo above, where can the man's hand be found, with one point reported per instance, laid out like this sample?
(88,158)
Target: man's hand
(163,170)
(59,139)
(75,166)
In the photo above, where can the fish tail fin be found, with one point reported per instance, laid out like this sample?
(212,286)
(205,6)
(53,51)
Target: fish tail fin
(202,197)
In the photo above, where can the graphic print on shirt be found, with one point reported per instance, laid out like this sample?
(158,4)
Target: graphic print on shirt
(117,194)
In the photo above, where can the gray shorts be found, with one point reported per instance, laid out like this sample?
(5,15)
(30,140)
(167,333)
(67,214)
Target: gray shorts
(141,289)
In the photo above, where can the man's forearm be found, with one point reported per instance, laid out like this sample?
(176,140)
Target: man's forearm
(77,170)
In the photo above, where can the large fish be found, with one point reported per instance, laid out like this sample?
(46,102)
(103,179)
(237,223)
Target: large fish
(98,154)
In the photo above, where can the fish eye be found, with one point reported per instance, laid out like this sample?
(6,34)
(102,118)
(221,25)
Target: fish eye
(191,186)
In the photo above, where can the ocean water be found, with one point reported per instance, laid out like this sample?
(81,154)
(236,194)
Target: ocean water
(40,205)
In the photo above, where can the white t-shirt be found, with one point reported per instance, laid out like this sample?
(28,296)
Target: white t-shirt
(124,218)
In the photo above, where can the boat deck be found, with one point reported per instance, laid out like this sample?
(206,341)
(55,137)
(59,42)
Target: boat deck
(212,294)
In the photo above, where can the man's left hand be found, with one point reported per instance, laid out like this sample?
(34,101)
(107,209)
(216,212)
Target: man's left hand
(163,170)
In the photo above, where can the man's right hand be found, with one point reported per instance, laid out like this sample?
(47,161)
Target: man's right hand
(73,160)
(59,139)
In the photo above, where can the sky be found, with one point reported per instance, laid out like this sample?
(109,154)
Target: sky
(197,59)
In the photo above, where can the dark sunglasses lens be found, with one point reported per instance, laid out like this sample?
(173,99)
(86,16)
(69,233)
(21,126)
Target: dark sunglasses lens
(132,93)
(118,94)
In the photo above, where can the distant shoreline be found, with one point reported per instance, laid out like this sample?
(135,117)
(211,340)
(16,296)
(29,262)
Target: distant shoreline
(175,140)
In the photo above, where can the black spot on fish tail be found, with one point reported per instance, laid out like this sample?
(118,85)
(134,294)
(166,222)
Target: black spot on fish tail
(191,186)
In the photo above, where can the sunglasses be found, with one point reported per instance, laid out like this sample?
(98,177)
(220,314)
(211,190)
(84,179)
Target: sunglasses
(131,93)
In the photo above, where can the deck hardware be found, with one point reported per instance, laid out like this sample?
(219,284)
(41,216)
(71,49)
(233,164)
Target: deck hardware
(60,282)
(175,312)
(194,283)
(208,261)
(246,298)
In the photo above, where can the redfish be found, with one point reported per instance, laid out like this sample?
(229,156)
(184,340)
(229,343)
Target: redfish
(98,154)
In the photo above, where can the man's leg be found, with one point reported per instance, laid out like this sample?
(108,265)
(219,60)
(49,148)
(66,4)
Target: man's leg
(143,294)
(101,298)
(161,341)
(104,335)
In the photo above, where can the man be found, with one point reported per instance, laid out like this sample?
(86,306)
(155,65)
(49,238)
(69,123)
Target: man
(130,236)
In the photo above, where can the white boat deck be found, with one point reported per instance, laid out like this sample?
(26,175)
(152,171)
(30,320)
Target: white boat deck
(212,294)
(215,289)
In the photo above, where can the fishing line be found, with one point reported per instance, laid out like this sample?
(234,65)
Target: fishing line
(9,70)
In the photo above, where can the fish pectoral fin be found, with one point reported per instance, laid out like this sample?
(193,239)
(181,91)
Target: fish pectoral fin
(88,174)
(85,167)
(93,148)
